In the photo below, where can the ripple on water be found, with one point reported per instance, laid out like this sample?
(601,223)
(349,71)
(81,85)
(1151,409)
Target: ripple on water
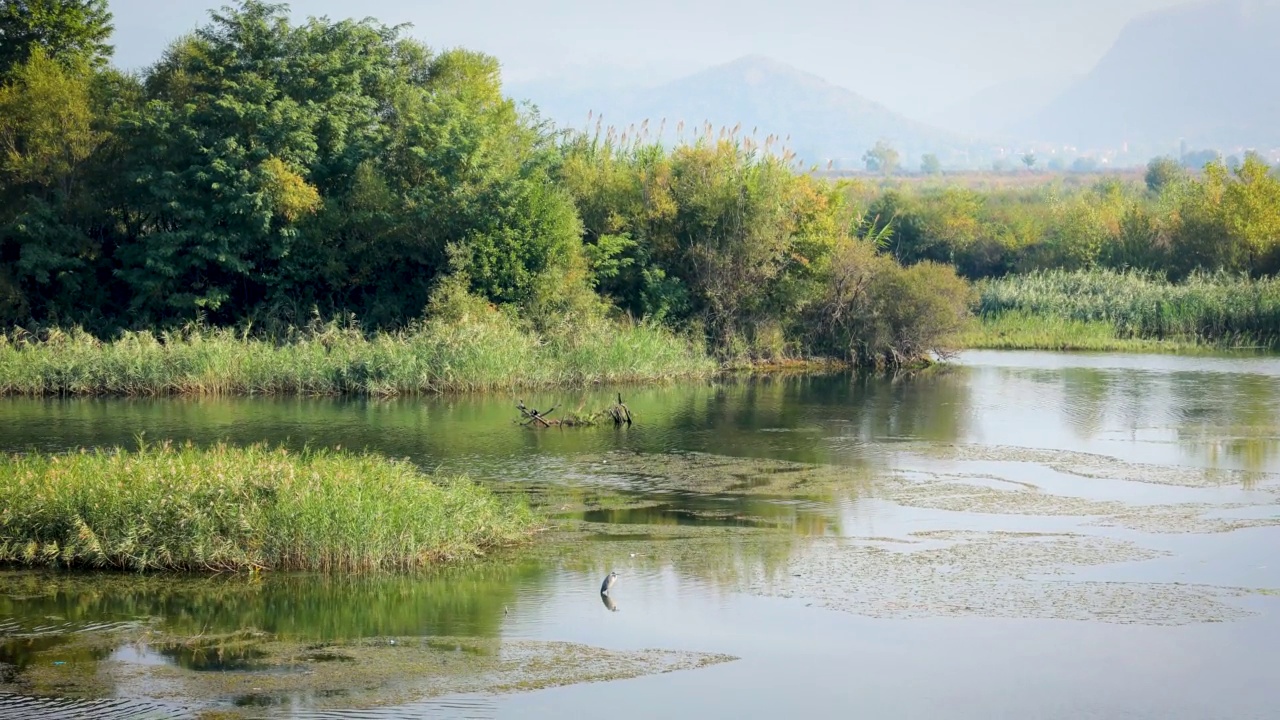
(42,708)
(457,707)
(29,629)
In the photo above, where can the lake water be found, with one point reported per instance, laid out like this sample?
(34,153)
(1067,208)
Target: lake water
(1023,535)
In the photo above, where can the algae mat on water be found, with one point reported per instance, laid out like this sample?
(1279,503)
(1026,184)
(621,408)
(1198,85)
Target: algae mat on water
(255,670)
(932,573)
(911,482)
(995,575)
(986,572)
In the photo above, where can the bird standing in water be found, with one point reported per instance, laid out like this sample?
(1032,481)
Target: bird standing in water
(608,582)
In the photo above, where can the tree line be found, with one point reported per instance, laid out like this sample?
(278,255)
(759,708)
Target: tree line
(268,172)
(1173,222)
(265,172)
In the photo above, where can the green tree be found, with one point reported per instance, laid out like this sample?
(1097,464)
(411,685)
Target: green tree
(1029,159)
(475,179)
(66,30)
(1140,241)
(46,126)
(874,311)
(48,138)
(1251,209)
(1163,172)
(1229,221)
(882,158)
(213,153)
(930,165)
(711,234)
(279,167)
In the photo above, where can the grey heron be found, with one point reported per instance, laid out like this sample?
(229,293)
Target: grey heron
(608,582)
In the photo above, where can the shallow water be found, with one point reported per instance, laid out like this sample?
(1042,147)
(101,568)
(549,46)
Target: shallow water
(1026,534)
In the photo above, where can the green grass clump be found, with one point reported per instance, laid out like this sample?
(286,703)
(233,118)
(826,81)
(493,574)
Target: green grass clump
(232,509)
(1105,309)
(490,352)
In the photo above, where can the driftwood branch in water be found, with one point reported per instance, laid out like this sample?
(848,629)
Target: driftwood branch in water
(624,413)
(619,413)
(534,416)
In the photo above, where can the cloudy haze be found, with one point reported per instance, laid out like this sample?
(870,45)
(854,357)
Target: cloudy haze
(916,56)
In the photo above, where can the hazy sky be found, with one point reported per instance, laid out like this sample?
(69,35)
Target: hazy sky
(915,56)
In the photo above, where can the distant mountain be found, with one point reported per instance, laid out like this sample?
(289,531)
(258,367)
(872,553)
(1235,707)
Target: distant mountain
(997,110)
(824,122)
(1205,73)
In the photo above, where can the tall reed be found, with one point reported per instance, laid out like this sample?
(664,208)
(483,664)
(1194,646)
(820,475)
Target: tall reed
(1217,309)
(231,509)
(434,356)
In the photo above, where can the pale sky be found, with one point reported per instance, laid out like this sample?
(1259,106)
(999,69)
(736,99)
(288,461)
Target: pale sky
(915,56)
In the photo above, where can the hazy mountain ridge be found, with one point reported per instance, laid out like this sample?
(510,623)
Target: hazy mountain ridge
(759,94)
(1204,73)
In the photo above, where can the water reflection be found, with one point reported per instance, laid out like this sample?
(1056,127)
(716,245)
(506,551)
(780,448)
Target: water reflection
(456,601)
(480,435)
(704,496)
(1165,409)
(1226,418)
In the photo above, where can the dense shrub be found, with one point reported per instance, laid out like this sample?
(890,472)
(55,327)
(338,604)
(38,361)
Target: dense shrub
(874,311)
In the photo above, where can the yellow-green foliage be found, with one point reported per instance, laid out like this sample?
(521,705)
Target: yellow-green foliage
(723,234)
(292,196)
(226,508)
(1177,223)
(46,123)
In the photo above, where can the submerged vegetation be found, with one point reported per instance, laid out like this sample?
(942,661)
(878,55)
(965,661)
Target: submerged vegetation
(235,509)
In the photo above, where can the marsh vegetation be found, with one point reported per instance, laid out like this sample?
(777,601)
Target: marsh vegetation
(243,509)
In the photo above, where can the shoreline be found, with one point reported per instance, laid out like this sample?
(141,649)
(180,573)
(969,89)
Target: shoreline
(446,359)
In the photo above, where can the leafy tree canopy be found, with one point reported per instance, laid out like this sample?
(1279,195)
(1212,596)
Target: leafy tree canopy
(67,30)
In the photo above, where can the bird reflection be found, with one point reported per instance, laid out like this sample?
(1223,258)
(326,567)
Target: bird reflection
(608,602)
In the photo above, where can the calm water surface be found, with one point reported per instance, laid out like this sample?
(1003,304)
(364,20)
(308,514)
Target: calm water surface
(1025,535)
